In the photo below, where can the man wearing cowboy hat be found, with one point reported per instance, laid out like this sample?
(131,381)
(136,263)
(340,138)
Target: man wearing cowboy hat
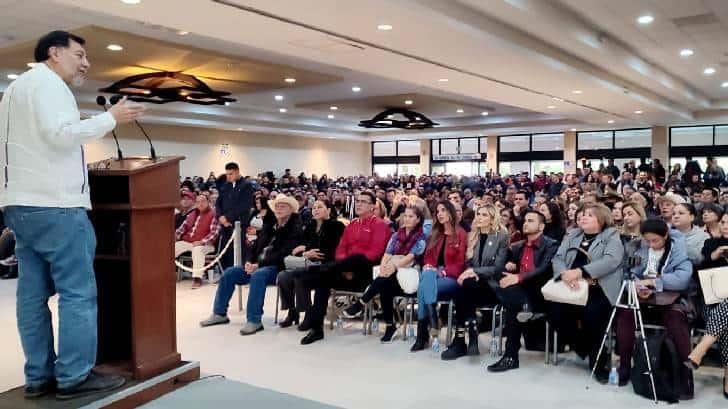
(275,241)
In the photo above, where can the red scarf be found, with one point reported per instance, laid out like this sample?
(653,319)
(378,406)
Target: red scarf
(405,242)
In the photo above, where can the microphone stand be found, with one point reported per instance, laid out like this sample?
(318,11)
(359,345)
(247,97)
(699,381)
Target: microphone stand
(151,147)
(102,101)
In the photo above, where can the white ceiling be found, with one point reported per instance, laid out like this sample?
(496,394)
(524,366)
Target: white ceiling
(519,54)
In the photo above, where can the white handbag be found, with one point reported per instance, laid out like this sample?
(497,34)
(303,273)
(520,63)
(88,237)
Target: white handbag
(407,277)
(558,291)
(714,282)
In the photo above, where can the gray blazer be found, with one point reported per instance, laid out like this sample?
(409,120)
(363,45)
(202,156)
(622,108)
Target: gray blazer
(606,252)
(495,254)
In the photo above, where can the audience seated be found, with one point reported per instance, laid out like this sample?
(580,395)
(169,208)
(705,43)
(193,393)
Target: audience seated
(186,205)
(198,235)
(683,219)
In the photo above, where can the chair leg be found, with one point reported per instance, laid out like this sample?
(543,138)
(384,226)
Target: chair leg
(331,308)
(450,306)
(547,350)
(555,356)
(278,296)
(240,298)
(501,324)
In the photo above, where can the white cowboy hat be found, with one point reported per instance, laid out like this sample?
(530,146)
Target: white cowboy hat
(289,200)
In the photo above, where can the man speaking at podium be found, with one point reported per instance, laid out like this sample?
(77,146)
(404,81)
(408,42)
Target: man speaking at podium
(45,195)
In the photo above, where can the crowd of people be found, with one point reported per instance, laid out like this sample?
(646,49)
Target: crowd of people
(480,241)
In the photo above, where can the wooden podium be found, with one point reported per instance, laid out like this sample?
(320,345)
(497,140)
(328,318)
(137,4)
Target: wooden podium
(133,202)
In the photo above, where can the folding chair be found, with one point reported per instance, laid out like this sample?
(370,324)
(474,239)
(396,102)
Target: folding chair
(334,313)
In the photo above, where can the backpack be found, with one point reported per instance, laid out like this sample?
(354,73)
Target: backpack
(666,367)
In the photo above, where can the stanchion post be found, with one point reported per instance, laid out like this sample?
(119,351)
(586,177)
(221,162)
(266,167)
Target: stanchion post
(237,245)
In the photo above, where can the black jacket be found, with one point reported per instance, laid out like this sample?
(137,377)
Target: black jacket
(325,239)
(275,243)
(543,254)
(235,202)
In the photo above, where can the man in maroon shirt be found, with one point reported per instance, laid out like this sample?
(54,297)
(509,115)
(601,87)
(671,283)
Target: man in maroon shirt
(361,248)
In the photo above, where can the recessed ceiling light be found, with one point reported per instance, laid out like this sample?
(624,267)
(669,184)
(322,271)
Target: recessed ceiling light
(390,116)
(484,113)
(638,112)
(724,85)
(558,99)
(131,1)
(283,110)
(460,111)
(331,137)
(114,47)
(646,19)
(31,64)
(333,108)
(577,91)
(408,102)
(611,121)
(331,116)
(355,89)
(686,52)
(13,76)
(278,97)
(573,129)
(551,107)
(384,27)
(227,104)
(443,80)
(240,129)
(183,33)
(184,93)
(709,71)
(290,80)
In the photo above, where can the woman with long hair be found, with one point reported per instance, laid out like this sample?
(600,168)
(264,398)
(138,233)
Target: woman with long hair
(509,222)
(712,213)
(487,252)
(554,221)
(571,209)
(444,262)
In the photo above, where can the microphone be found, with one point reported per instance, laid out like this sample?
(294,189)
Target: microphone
(116,98)
(101,100)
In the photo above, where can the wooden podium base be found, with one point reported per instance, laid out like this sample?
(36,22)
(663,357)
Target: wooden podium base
(134,393)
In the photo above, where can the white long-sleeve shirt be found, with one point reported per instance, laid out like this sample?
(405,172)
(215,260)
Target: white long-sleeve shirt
(42,139)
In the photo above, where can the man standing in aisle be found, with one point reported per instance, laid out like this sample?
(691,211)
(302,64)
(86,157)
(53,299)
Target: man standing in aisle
(233,204)
(45,196)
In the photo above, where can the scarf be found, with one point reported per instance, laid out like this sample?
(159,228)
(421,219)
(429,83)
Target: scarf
(404,243)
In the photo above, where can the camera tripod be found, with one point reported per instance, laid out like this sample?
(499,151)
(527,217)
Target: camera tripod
(632,303)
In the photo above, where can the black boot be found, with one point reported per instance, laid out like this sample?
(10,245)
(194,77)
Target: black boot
(473,338)
(601,374)
(422,337)
(457,348)
(291,319)
(504,364)
(434,321)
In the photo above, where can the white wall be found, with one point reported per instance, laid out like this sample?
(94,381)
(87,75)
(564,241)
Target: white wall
(254,153)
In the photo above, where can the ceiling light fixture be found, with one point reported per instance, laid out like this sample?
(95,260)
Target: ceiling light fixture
(240,129)
(558,99)
(278,97)
(551,107)
(384,27)
(183,33)
(355,89)
(686,52)
(331,116)
(13,76)
(646,19)
(114,47)
(724,85)
(709,71)
(227,104)
(334,108)
(283,110)
(577,91)
(163,87)
(443,80)
(638,112)
(131,1)
(290,80)
(385,119)
(485,113)
(611,121)
(408,102)
(460,111)
(573,129)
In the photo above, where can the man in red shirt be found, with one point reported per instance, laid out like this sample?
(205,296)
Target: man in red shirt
(198,235)
(361,248)
(528,269)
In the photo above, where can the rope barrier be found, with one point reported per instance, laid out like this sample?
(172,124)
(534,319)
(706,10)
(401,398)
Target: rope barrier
(212,263)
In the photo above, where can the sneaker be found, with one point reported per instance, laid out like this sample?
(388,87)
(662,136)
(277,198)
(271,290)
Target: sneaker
(354,311)
(196,283)
(455,350)
(215,320)
(250,328)
(390,333)
(94,383)
(33,392)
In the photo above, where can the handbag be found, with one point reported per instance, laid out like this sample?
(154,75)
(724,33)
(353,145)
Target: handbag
(407,277)
(298,262)
(714,282)
(557,290)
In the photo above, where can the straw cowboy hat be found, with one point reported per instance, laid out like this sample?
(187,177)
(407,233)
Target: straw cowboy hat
(289,200)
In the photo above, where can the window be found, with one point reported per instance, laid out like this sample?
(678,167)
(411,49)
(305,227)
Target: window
(484,145)
(438,169)
(461,168)
(448,146)
(548,166)
(408,169)
(435,147)
(548,142)
(408,148)
(515,143)
(721,135)
(385,169)
(633,138)
(512,168)
(691,136)
(384,149)
(469,145)
(594,140)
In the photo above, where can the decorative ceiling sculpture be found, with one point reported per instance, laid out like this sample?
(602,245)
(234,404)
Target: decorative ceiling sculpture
(386,119)
(163,87)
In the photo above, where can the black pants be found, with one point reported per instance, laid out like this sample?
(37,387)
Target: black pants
(294,294)
(228,258)
(387,288)
(469,296)
(331,275)
(594,318)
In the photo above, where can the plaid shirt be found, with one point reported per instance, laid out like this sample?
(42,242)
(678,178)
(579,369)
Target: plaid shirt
(191,230)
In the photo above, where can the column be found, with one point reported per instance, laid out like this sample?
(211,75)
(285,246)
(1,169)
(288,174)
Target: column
(493,153)
(425,155)
(660,149)
(570,152)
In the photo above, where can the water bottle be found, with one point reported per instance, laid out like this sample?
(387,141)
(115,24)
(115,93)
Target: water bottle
(375,325)
(659,285)
(410,331)
(435,348)
(613,377)
(494,347)
(339,325)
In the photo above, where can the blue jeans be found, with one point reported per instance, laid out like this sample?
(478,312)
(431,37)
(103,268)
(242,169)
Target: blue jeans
(55,249)
(434,288)
(259,280)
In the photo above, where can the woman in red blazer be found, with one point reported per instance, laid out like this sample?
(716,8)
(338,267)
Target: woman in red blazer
(444,262)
